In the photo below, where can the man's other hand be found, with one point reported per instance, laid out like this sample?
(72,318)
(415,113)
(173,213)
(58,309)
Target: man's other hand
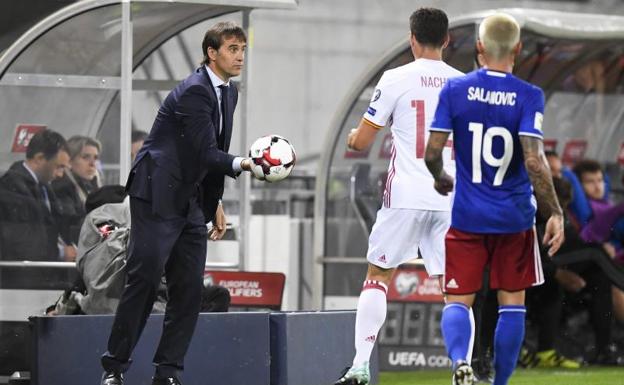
(219,224)
(444,184)
(553,236)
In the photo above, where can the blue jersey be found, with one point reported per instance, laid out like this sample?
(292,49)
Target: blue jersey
(487,111)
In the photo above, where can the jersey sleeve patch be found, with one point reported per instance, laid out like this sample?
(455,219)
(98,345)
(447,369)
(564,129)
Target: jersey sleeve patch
(382,103)
(539,119)
(532,119)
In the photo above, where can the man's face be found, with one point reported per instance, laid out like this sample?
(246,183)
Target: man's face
(555,166)
(593,184)
(227,61)
(53,168)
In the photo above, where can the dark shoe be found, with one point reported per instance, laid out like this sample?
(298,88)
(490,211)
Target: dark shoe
(112,378)
(483,371)
(166,381)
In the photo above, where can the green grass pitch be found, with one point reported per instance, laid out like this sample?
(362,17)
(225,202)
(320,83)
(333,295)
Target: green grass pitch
(583,376)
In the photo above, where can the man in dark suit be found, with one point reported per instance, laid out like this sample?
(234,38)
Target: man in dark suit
(28,208)
(175,188)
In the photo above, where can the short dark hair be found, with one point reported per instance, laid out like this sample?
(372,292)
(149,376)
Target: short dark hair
(138,135)
(214,37)
(586,166)
(429,26)
(47,142)
(104,195)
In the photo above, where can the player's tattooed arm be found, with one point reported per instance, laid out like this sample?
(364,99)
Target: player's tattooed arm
(433,159)
(433,153)
(539,173)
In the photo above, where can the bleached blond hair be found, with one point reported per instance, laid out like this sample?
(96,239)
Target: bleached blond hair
(499,34)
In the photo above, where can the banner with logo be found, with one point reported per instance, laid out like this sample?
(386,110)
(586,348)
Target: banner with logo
(550,144)
(573,151)
(23,134)
(249,289)
(399,358)
(412,284)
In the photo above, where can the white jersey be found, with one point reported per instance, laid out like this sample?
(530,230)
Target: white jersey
(406,97)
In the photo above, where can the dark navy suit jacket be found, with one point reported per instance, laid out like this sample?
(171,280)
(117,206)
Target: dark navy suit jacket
(181,158)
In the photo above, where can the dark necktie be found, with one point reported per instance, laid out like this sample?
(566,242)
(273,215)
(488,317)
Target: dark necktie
(46,198)
(225,115)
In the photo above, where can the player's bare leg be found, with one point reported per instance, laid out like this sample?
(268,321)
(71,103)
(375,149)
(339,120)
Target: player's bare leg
(370,316)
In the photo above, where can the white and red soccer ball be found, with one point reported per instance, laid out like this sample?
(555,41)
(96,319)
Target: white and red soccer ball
(274,155)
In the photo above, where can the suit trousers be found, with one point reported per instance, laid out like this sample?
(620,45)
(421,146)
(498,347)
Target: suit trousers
(177,248)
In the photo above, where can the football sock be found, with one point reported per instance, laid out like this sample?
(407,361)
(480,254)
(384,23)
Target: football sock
(457,330)
(508,339)
(370,316)
(472,336)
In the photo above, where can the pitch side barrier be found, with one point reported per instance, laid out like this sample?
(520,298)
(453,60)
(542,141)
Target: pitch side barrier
(251,348)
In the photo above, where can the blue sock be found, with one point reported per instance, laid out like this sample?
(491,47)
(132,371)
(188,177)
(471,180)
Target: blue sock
(456,330)
(508,341)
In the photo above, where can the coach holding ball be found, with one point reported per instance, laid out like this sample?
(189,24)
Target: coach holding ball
(175,188)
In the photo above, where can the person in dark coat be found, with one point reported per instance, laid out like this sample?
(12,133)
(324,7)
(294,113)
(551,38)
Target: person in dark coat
(28,207)
(175,187)
(78,182)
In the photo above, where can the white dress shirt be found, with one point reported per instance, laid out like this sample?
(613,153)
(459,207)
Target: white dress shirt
(216,82)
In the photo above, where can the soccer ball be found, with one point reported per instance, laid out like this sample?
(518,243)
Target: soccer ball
(275,155)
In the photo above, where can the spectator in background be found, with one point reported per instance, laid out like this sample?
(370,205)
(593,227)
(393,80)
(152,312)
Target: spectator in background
(573,278)
(605,219)
(601,220)
(138,137)
(28,207)
(556,167)
(597,218)
(74,187)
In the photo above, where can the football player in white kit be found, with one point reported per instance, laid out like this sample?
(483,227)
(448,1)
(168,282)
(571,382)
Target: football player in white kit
(413,214)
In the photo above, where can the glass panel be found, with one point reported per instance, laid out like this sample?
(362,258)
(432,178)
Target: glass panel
(460,52)
(69,112)
(88,44)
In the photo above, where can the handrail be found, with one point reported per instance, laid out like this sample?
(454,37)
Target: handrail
(60,264)
(359,261)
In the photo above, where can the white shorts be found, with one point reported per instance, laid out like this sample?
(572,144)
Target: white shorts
(398,233)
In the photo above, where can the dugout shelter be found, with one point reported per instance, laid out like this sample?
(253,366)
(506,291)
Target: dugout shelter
(89,69)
